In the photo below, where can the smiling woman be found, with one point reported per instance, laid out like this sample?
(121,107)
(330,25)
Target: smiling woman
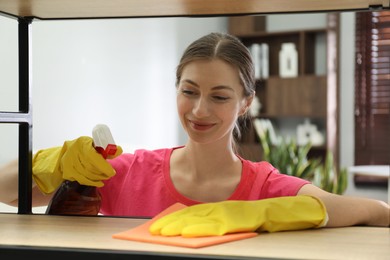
(15,7)
(209,91)
(206,174)
(206,169)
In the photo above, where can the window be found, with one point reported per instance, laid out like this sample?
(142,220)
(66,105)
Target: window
(372,88)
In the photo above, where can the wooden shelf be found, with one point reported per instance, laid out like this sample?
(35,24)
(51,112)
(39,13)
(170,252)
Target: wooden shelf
(304,40)
(309,95)
(76,9)
(303,96)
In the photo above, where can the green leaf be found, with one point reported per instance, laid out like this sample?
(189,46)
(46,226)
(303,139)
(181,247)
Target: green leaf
(291,159)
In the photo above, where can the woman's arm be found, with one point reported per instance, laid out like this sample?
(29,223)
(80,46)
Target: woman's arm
(350,211)
(76,160)
(9,175)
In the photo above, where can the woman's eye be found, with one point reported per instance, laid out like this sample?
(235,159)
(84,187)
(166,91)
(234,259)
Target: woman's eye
(221,98)
(187,92)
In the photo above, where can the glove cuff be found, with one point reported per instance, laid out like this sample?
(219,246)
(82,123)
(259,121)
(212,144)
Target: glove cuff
(45,171)
(324,222)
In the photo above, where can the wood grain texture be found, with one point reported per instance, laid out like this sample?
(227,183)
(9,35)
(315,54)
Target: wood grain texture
(96,233)
(66,9)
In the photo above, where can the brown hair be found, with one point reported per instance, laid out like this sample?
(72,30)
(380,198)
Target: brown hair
(229,49)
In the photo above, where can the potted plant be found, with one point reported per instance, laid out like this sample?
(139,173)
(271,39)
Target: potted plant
(292,159)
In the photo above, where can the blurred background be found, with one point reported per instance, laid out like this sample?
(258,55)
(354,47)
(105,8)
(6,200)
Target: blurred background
(121,72)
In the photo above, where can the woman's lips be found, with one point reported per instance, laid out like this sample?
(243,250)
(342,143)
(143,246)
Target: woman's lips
(201,126)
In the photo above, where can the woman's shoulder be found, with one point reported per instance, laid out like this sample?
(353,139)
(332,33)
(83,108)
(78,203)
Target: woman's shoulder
(263,170)
(258,167)
(143,155)
(151,152)
(158,153)
(267,180)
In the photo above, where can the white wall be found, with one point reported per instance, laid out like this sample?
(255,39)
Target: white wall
(8,86)
(117,72)
(347,68)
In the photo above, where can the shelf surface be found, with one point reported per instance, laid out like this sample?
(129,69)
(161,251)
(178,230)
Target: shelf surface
(78,9)
(55,234)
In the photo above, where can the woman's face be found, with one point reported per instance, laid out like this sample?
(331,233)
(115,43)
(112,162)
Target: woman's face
(210,99)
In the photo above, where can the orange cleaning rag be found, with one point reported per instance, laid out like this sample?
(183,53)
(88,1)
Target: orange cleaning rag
(142,234)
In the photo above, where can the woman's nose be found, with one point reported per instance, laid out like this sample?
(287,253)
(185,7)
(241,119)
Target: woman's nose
(201,107)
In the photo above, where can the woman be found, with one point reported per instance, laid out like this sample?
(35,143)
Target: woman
(215,87)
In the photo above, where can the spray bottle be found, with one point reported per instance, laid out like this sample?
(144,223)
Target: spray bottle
(73,198)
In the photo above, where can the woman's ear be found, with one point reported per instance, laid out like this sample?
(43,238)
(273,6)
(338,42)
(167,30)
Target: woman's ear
(247,104)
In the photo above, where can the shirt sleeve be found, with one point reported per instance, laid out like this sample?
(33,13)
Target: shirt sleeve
(278,185)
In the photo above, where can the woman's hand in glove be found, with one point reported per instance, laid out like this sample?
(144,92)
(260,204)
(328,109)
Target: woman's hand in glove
(76,160)
(220,218)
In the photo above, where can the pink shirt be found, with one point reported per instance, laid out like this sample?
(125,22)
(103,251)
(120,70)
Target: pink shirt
(142,186)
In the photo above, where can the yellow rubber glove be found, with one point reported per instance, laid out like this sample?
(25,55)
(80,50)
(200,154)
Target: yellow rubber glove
(220,218)
(76,160)
(45,169)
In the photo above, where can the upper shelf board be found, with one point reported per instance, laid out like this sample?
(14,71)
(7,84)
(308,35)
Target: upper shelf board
(82,9)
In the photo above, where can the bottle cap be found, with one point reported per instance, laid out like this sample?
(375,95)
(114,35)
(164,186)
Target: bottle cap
(103,141)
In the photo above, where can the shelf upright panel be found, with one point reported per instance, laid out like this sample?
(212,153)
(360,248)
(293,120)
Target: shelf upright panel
(23,116)
(25,126)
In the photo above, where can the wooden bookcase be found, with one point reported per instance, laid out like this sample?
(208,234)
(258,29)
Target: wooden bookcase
(312,95)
